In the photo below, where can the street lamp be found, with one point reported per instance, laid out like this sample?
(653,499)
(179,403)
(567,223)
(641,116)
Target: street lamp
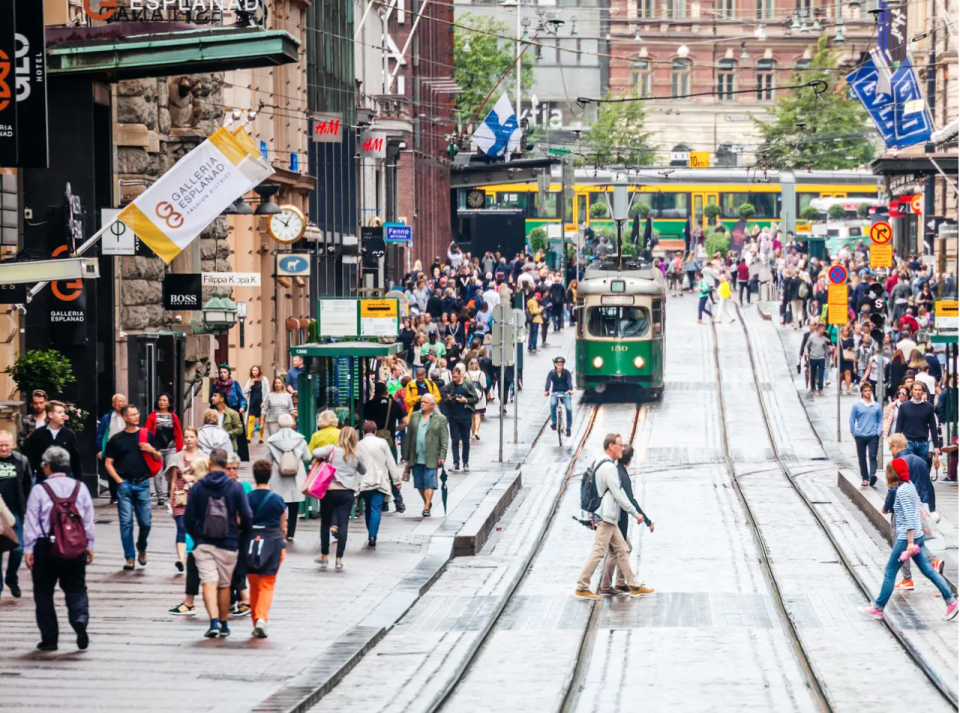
(219,314)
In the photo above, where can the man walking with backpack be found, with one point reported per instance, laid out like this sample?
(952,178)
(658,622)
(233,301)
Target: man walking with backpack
(217,515)
(58,546)
(132,459)
(605,503)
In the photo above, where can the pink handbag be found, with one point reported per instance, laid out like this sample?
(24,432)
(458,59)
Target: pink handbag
(319,479)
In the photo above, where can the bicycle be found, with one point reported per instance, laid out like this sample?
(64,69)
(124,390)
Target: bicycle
(560,417)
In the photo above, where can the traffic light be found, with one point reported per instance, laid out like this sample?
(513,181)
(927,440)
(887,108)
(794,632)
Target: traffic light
(877,312)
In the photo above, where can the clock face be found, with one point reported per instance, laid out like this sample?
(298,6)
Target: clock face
(476,199)
(288,225)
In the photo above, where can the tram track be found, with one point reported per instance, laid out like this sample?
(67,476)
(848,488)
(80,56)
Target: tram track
(817,686)
(464,668)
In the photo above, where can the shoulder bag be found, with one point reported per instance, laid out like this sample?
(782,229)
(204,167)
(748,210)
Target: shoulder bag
(384,433)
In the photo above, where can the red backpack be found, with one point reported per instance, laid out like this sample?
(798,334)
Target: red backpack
(68,537)
(153,463)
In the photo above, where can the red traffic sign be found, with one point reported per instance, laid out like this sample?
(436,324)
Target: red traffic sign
(838,274)
(916,204)
(881,233)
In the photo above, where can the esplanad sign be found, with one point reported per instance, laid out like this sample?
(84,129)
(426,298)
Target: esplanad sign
(197,11)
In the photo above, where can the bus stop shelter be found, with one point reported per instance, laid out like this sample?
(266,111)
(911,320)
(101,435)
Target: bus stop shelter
(334,377)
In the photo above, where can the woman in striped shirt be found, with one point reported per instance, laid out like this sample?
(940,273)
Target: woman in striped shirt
(906,507)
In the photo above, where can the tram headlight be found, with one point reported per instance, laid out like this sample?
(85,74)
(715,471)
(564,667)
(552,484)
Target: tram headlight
(597,362)
(639,362)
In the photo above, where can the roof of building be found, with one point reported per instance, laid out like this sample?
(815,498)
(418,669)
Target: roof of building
(346,349)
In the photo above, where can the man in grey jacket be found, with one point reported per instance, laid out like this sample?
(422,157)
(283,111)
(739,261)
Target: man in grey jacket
(612,499)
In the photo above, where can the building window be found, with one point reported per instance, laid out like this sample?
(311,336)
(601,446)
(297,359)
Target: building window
(803,64)
(726,8)
(676,9)
(726,74)
(765,80)
(764,9)
(680,77)
(640,76)
(646,8)
(804,6)
(726,156)
(8,210)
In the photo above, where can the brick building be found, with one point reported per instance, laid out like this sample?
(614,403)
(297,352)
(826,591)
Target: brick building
(676,47)
(421,83)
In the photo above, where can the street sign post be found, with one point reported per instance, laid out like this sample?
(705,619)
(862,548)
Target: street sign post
(881,252)
(503,335)
(837,274)
(881,233)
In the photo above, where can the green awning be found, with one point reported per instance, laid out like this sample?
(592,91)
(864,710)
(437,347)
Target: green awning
(212,49)
(347,349)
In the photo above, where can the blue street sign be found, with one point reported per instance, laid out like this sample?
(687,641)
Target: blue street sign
(891,113)
(397,233)
(293,264)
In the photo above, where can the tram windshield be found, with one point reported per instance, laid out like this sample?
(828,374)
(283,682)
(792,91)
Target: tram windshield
(618,322)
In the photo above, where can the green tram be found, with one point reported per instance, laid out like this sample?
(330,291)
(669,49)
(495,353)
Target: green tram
(621,317)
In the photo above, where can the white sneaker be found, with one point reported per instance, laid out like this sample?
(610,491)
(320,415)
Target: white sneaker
(260,630)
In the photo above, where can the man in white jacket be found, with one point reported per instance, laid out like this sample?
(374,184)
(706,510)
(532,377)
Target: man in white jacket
(608,536)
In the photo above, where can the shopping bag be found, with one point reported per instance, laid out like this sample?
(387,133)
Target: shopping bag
(8,535)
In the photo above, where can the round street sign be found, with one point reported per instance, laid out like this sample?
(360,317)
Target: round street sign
(881,233)
(838,274)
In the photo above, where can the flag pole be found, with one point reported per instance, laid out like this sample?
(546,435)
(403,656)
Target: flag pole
(87,244)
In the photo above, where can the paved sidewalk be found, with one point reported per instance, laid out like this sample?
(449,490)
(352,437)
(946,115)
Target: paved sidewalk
(140,656)
(826,407)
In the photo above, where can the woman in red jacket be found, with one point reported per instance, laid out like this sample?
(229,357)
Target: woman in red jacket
(165,426)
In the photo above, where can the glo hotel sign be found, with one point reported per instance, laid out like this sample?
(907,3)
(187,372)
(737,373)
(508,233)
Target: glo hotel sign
(23,85)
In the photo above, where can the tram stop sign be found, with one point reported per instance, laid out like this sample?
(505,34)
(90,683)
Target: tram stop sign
(838,274)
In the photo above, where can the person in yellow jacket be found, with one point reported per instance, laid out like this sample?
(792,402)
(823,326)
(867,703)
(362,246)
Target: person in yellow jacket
(535,315)
(328,433)
(417,388)
(726,304)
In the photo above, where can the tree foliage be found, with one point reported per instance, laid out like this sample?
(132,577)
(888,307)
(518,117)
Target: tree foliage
(711,212)
(717,243)
(826,132)
(598,210)
(537,239)
(810,213)
(41,369)
(617,137)
(746,211)
(481,62)
(639,209)
(836,212)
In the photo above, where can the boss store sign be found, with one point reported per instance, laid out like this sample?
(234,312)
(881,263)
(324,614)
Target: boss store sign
(183,292)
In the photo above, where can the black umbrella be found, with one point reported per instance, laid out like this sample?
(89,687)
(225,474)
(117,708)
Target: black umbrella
(443,487)
(686,235)
(648,233)
(635,231)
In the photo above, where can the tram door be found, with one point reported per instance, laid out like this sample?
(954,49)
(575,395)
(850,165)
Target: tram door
(701,201)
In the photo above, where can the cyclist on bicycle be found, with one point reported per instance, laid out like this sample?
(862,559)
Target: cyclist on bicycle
(560,385)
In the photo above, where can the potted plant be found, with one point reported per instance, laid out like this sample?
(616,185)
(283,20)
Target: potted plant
(598,210)
(639,210)
(836,212)
(810,213)
(537,239)
(712,212)
(746,211)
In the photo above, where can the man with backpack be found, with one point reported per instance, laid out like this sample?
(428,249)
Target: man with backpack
(58,545)
(602,498)
(217,515)
(132,459)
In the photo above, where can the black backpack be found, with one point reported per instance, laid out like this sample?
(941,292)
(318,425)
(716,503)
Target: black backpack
(216,521)
(589,497)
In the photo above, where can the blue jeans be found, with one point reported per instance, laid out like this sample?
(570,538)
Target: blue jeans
(373,499)
(16,556)
(919,449)
(702,307)
(567,407)
(534,333)
(134,499)
(817,367)
(893,566)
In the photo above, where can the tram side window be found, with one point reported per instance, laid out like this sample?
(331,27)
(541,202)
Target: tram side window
(657,318)
(550,208)
(670,205)
(764,203)
(614,322)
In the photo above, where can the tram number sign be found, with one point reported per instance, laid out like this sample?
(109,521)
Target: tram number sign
(881,233)
(838,274)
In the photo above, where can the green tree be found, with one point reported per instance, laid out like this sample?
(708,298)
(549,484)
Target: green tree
(717,243)
(826,132)
(810,213)
(639,209)
(480,59)
(863,210)
(537,239)
(746,211)
(41,369)
(598,210)
(617,137)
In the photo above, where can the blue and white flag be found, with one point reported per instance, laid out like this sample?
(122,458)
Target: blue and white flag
(500,131)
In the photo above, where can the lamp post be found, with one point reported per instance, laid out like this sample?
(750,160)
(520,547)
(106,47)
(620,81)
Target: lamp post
(219,314)
(516,4)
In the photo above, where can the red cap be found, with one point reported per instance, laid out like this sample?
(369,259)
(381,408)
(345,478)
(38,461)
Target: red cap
(901,468)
